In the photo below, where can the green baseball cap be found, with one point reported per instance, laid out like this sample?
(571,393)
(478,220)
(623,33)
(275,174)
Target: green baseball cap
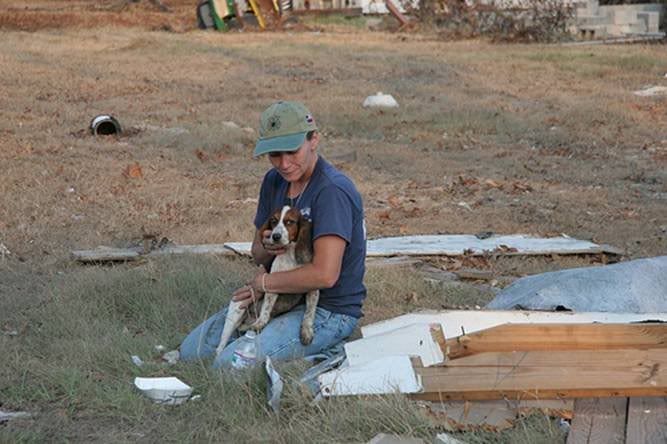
(283,127)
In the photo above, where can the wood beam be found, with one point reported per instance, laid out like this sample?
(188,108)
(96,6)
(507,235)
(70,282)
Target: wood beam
(528,337)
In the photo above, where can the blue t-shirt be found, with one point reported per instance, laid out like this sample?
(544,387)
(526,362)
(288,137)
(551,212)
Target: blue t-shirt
(333,205)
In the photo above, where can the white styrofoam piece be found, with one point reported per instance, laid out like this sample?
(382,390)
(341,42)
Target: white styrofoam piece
(411,340)
(166,390)
(455,322)
(458,244)
(391,374)
(380,100)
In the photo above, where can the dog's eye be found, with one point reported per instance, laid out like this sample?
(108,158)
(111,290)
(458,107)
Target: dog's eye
(273,221)
(289,222)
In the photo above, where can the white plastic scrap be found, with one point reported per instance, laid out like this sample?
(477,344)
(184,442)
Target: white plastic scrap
(6,416)
(444,438)
(137,361)
(171,357)
(274,388)
(380,100)
(652,91)
(4,251)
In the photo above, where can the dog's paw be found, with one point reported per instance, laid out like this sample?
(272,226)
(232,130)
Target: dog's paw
(306,335)
(258,325)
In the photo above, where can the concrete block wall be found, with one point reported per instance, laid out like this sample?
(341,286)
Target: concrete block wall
(595,21)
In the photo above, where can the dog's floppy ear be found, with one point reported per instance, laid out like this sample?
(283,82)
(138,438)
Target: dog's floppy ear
(303,249)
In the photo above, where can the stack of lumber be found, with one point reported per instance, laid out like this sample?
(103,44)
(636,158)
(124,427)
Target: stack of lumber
(609,364)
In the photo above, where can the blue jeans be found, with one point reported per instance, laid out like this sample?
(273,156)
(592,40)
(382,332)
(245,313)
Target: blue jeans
(279,339)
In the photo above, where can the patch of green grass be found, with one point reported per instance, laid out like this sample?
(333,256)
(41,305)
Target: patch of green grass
(72,367)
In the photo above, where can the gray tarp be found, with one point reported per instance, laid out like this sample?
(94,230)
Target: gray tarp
(638,286)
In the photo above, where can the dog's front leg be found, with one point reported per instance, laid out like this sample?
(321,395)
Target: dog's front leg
(265,313)
(307,324)
(235,314)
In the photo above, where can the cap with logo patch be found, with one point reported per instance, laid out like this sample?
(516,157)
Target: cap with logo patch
(283,127)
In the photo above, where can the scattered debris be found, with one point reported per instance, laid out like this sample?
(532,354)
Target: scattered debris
(230,124)
(136,360)
(444,438)
(4,251)
(7,416)
(171,357)
(165,390)
(104,125)
(383,438)
(133,171)
(532,361)
(380,100)
(465,205)
(391,374)
(412,340)
(652,91)
(160,348)
(493,415)
(274,386)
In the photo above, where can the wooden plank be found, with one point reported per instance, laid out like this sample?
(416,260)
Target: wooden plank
(526,337)
(495,414)
(403,20)
(598,420)
(132,254)
(547,375)
(647,421)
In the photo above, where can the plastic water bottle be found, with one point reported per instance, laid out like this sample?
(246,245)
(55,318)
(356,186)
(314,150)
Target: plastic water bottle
(245,351)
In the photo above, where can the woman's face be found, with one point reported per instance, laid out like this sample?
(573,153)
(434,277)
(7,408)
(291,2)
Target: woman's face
(293,165)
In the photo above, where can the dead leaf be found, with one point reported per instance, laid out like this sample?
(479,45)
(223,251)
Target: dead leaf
(133,171)
(394,201)
(520,186)
(492,183)
(384,215)
(201,155)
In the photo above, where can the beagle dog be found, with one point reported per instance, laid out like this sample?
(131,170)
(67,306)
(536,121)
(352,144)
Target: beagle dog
(289,228)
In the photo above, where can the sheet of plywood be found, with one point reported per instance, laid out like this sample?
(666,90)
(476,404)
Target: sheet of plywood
(598,420)
(526,337)
(460,244)
(458,322)
(547,375)
(495,414)
(647,421)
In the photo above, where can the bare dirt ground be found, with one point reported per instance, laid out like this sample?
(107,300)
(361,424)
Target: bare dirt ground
(541,140)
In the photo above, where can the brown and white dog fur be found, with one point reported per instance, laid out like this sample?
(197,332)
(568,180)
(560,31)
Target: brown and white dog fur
(289,228)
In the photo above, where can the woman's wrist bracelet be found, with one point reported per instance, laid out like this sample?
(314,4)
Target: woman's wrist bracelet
(264,282)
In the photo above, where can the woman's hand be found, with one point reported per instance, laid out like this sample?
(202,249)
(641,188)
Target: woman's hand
(269,246)
(252,291)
